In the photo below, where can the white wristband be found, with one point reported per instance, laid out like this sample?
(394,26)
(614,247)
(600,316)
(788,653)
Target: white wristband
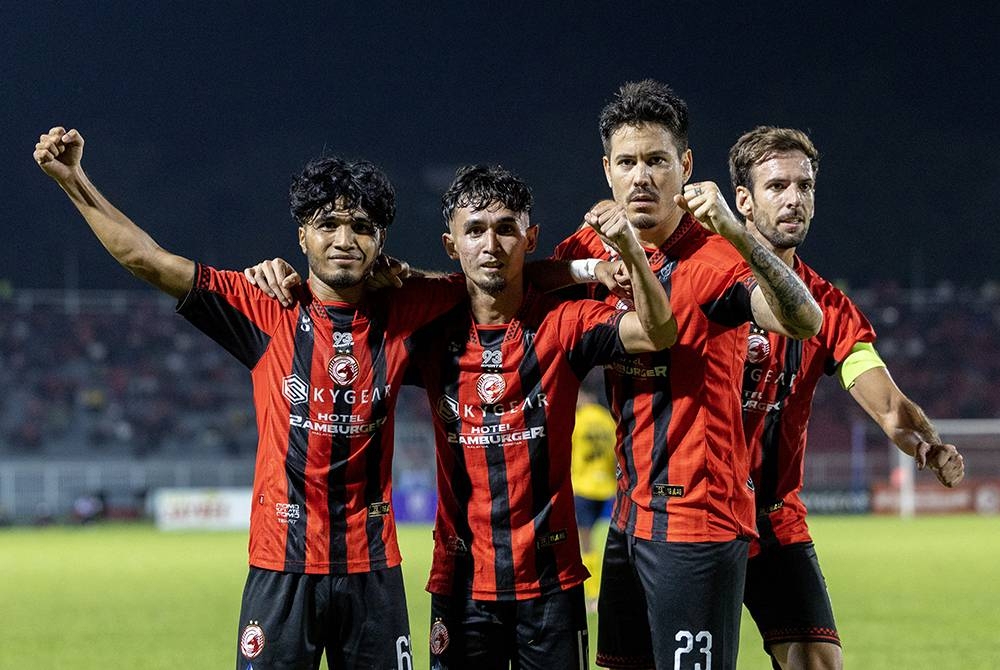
(583,271)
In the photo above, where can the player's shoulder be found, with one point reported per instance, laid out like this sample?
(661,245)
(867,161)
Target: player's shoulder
(823,290)
(583,242)
(711,251)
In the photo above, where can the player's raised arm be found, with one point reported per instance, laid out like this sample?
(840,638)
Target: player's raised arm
(905,423)
(781,302)
(652,325)
(59,154)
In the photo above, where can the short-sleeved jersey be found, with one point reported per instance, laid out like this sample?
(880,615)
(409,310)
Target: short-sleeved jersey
(683,461)
(325,379)
(594,466)
(779,381)
(503,400)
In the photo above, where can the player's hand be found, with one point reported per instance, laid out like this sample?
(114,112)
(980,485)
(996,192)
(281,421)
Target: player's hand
(58,153)
(275,278)
(943,460)
(614,277)
(704,201)
(387,272)
(610,221)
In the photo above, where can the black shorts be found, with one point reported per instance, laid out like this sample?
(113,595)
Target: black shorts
(588,510)
(670,605)
(787,598)
(289,619)
(544,633)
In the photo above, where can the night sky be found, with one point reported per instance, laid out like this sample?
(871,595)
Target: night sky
(197,114)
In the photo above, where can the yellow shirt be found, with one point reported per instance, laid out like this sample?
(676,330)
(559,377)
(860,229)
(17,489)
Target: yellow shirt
(593,465)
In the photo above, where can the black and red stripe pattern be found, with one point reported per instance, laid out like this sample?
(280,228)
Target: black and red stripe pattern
(325,380)
(681,451)
(779,382)
(504,400)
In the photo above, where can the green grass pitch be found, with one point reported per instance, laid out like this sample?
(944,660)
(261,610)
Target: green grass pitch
(915,594)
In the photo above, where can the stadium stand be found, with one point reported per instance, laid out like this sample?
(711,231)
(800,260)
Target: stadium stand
(117,378)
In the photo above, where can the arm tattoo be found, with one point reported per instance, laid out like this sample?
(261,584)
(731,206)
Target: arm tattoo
(785,292)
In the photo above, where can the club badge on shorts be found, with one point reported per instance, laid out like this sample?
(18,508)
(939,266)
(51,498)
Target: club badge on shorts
(343,369)
(439,638)
(252,640)
(491,387)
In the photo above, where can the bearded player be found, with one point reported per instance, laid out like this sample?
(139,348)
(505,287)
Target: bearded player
(773,173)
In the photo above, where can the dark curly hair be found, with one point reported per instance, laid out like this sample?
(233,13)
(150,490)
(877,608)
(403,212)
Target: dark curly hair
(481,186)
(646,101)
(359,184)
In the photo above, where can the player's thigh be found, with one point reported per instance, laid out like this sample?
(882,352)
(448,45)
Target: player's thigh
(623,638)
(787,597)
(369,624)
(471,634)
(552,631)
(281,624)
(694,592)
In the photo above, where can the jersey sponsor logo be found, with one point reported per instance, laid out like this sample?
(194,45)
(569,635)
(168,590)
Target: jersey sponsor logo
(252,640)
(632,369)
(343,369)
(339,428)
(668,491)
(439,637)
(753,401)
(491,386)
(306,324)
(552,538)
(772,376)
(482,437)
(376,509)
(295,389)
(447,409)
(287,512)
(758,347)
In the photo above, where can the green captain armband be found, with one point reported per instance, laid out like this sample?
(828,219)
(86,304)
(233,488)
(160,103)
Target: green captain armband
(862,358)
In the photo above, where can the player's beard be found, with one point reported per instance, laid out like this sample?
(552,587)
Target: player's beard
(339,279)
(778,239)
(492,285)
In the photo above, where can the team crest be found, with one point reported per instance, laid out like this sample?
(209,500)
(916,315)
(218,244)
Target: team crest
(343,369)
(491,387)
(758,347)
(439,638)
(252,640)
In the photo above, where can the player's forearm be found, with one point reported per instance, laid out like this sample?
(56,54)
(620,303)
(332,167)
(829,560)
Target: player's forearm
(785,293)
(908,426)
(130,245)
(651,304)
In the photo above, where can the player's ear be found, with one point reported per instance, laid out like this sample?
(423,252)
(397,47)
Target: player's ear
(687,162)
(531,235)
(607,170)
(744,202)
(302,239)
(449,246)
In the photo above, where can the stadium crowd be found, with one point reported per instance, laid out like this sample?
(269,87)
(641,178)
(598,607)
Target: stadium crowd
(117,374)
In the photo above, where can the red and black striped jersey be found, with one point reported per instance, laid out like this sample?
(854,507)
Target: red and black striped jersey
(503,400)
(779,381)
(684,466)
(325,379)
